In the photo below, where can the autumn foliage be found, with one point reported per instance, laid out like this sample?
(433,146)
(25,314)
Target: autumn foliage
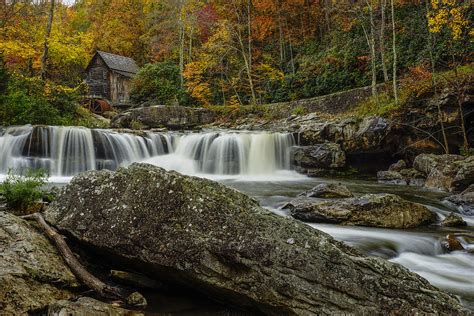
(234,52)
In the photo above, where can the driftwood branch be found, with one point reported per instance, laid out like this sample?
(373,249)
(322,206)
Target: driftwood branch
(76,267)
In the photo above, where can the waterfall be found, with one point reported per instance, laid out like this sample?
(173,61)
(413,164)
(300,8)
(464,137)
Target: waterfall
(67,151)
(229,153)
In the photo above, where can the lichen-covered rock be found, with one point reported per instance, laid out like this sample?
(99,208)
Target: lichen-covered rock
(369,135)
(88,306)
(398,166)
(172,117)
(321,156)
(205,236)
(446,172)
(392,177)
(32,274)
(328,191)
(377,210)
(453,220)
(464,201)
(402,177)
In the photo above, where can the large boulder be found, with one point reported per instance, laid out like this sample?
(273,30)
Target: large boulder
(377,210)
(446,172)
(205,236)
(321,156)
(32,274)
(367,136)
(371,136)
(172,117)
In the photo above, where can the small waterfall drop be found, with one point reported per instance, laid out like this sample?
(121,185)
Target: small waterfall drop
(67,151)
(229,153)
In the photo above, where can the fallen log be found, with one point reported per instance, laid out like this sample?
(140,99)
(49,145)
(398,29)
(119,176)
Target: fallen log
(78,269)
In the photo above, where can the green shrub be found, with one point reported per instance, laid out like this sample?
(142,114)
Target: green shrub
(34,101)
(136,125)
(299,110)
(159,84)
(466,151)
(21,192)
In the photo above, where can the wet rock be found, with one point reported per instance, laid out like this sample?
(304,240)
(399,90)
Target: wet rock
(329,190)
(377,210)
(392,177)
(398,166)
(205,236)
(451,243)
(446,172)
(403,177)
(370,137)
(135,279)
(312,134)
(464,201)
(322,156)
(137,300)
(453,220)
(172,117)
(32,274)
(366,136)
(88,306)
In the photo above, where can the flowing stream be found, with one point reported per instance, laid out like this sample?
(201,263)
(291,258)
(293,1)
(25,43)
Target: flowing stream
(257,163)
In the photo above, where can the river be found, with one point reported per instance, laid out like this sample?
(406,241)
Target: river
(256,163)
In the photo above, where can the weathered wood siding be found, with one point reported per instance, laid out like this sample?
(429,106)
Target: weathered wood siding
(98,79)
(119,88)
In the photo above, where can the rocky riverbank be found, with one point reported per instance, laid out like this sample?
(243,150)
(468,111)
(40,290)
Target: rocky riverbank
(32,274)
(215,240)
(451,173)
(200,235)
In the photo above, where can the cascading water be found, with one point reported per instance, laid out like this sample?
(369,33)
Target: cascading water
(67,151)
(229,153)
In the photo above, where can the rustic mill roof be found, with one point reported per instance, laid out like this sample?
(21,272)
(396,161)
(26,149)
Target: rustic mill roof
(124,65)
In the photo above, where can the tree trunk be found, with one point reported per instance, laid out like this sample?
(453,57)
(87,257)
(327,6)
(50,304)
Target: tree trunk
(327,10)
(249,27)
(433,79)
(190,48)
(292,61)
(281,37)
(383,4)
(460,100)
(49,25)
(371,43)
(394,47)
(181,43)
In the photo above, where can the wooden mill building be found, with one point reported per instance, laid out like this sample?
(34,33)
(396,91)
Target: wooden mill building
(109,77)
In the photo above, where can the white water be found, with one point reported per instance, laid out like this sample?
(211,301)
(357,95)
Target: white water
(262,161)
(253,156)
(67,151)
(419,252)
